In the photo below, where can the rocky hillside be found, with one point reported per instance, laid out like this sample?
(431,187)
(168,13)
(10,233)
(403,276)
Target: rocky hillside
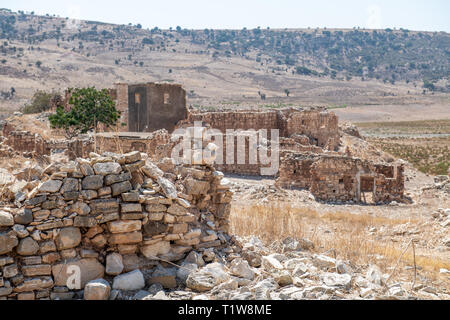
(336,67)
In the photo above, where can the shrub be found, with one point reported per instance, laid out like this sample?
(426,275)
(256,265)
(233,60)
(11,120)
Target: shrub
(39,103)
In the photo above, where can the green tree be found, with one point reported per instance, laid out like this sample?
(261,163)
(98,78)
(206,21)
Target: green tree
(89,108)
(287,92)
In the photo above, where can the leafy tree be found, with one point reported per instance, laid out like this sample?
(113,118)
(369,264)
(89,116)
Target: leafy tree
(287,92)
(38,64)
(89,108)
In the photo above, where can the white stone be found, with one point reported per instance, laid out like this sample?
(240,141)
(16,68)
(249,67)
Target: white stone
(6,219)
(240,268)
(208,277)
(133,280)
(270,263)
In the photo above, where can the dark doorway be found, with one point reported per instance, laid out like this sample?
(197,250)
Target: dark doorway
(137,108)
(367,189)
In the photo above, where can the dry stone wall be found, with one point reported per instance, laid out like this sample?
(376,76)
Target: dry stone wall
(107,216)
(341,178)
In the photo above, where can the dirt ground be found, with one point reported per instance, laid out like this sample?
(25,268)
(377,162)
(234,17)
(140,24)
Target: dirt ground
(375,233)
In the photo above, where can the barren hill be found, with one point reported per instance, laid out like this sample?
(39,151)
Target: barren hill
(227,68)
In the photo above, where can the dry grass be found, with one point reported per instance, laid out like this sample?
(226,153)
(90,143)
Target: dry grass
(428,155)
(345,233)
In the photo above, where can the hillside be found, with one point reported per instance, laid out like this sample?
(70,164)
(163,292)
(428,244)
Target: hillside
(225,67)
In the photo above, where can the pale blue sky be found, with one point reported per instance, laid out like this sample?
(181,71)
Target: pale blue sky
(424,15)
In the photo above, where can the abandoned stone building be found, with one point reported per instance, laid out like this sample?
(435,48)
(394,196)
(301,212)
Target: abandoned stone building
(146,107)
(341,178)
(308,144)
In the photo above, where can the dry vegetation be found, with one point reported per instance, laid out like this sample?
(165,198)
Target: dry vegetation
(342,233)
(429,155)
(425,144)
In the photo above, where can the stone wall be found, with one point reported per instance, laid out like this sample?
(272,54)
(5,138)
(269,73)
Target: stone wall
(106,216)
(147,107)
(156,144)
(319,125)
(312,130)
(341,178)
(29,143)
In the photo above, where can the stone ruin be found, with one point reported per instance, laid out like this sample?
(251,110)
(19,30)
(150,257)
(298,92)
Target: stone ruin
(309,143)
(108,216)
(341,178)
(146,107)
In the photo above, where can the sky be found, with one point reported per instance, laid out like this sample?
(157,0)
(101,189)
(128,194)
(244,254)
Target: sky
(419,15)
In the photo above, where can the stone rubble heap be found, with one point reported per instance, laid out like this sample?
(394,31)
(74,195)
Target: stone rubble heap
(109,217)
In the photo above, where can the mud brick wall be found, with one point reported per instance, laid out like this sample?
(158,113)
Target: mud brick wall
(89,212)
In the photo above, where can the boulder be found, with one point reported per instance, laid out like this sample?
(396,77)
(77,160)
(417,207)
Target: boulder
(6,219)
(167,187)
(165,277)
(343,281)
(69,185)
(50,186)
(67,238)
(89,269)
(208,277)
(240,268)
(270,263)
(24,216)
(93,182)
(195,257)
(152,171)
(185,270)
(27,247)
(105,168)
(98,289)
(120,187)
(324,262)
(153,250)
(114,264)
(133,280)
(122,226)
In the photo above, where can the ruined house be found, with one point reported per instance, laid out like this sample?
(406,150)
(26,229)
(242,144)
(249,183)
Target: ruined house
(341,178)
(146,107)
(309,141)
